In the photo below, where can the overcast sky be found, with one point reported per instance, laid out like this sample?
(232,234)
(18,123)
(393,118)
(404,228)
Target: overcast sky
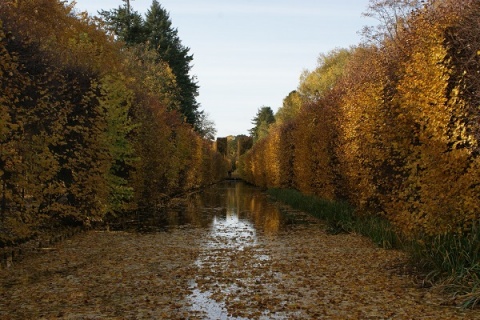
(250,53)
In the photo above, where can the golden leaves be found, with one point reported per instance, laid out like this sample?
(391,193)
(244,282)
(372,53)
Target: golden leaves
(400,137)
(82,127)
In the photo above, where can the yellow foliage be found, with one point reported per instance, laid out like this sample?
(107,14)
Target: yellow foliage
(313,153)
(83,132)
(401,137)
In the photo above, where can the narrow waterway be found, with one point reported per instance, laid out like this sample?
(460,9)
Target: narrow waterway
(227,252)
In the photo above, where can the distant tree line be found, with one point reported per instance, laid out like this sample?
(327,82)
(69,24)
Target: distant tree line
(232,148)
(97,118)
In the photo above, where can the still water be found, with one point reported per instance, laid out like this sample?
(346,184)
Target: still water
(226,252)
(227,207)
(236,219)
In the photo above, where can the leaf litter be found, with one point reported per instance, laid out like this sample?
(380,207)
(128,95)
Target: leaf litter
(230,270)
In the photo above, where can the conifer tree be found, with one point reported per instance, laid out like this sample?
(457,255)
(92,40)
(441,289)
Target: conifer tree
(261,122)
(157,32)
(126,24)
(162,37)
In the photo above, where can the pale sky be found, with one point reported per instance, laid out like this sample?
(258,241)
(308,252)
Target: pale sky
(250,53)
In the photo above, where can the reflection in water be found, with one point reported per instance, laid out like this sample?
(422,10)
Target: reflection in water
(235,201)
(232,234)
(229,233)
(252,205)
(233,261)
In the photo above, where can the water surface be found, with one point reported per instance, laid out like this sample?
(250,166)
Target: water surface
(226,252)
(226,206)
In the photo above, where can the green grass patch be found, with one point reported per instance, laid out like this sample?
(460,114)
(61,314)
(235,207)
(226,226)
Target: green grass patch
(379,230)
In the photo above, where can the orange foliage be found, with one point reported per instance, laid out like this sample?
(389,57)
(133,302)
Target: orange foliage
(400,137)
(363,144)
(83,132)
(313,154)
(441,170)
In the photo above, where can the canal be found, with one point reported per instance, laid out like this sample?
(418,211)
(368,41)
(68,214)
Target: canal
(227,252)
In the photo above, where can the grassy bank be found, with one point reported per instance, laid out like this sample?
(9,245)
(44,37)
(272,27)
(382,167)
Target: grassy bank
(340,217)
(451,262)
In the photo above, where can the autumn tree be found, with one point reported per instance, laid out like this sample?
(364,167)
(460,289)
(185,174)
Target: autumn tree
(116,99)
(59,164)
(292,104)
(156,31)
(330,67)
(87,127)
(431,94)
(205,126)
(397,132)
(244,143)
(222,146)
(392,17)
(153,78)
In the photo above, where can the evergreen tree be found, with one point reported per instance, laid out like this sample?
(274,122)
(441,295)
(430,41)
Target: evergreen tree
(128,26)
(157,32)
(262,122)
(162,37)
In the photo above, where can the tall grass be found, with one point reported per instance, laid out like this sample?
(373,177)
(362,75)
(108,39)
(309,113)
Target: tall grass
(453,261)
(450,261)
(380,231)
(340,217)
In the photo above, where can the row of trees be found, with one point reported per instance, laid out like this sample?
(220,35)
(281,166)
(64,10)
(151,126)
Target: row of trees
(89,127)
(391,125)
